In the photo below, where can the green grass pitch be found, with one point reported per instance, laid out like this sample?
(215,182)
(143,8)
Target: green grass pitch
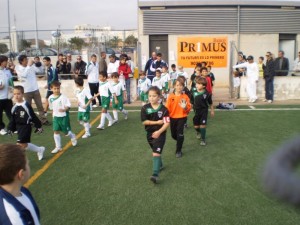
(105,179)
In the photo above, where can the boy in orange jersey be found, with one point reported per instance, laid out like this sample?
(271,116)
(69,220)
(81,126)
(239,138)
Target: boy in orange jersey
(178,105)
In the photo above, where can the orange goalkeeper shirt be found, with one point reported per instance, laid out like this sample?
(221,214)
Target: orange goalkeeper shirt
(174,108)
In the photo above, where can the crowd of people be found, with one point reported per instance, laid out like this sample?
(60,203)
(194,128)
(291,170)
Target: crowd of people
(268,70)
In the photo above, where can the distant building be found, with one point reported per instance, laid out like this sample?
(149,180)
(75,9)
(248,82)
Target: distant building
(191,31)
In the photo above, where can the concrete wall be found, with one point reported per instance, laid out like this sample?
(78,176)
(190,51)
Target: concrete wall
(285,88)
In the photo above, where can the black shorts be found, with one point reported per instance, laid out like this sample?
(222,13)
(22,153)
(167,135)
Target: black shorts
(157,144)
(48,94)
(200,118)
(24,133)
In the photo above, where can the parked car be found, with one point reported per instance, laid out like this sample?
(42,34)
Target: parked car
(32,52)
(128,50)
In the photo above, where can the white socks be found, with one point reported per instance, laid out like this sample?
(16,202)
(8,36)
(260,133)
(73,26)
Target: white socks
(109,117)
(57,140)
(115,113)
(32,147)
(102,120)
(124,111)
(87,127)
(70,135)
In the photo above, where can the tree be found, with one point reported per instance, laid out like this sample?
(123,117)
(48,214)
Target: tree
(24,44)
(77,43)
(3,48)
(114,42)
(131,41)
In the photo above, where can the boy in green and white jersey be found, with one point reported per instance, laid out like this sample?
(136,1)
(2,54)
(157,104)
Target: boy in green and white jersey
(105,91)
(60,105)
(84,98)
(120,91)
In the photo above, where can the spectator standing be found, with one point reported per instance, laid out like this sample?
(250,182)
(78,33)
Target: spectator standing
(80,67)
(297,65)
(5,98)
(69,62)
(261,66)
(269,74)
(113,65)
(150,74)
(102,62)
(64,68)
(281,65)
(241,59)
(124,69)
(92,71)
(27,76)
(37,63)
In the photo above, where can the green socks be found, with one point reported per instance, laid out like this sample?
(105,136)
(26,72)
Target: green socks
(203,133)
(156,165)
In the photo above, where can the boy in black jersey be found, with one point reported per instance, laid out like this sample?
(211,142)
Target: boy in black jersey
(202,100)
(22,118)
(155,117)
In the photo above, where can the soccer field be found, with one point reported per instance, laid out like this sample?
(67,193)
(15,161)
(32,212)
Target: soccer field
(105,179)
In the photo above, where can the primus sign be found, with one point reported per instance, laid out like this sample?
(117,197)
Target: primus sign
(192,50)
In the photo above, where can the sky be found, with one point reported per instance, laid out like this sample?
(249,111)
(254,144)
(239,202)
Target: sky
(119,14)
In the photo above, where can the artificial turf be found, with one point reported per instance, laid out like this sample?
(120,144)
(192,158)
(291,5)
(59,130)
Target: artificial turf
(105,179)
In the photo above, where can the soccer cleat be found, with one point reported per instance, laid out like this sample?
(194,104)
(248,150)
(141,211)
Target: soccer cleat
(86,135)
(203,142)
(3,132)
(95,106)
(116,121)
(198,135)
(40,154)
(100,127)
(270,101)
(74,141)
(178,154)
(56,150)
(126,115)
(154,179)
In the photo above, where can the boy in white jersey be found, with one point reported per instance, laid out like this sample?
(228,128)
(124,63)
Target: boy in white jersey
(183,74)
(157,80)
(173,75)
(120,91)
(17,205)
(166,80)
(60,106)
(84,98)
(144,84)
(105,91)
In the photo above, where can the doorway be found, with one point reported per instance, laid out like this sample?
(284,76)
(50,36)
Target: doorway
(159,43)
(287,43)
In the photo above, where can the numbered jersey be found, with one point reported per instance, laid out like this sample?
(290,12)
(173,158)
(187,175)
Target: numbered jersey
(58,102)
(83,96)
(149,113)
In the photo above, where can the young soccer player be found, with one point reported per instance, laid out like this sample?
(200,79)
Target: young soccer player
(178,105)
(17,205)
(157,80)
(204,74)
(105,91)
(155,118)
(51,76)
(202,100)
(84,98)
(60,106)
(182,73)
(173,75)
(22,117)
(166,82)
(211,75)
(21,121)
(120,92)
(144,84)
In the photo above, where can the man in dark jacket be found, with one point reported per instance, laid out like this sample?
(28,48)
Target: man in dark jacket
(102,62)
(80,67)
(281,64)
(147,70)
(269,73)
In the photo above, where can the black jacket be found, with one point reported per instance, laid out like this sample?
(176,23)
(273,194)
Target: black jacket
(284,70)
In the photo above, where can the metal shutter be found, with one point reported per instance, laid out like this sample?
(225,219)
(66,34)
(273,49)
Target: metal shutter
(264,20)
(190,21)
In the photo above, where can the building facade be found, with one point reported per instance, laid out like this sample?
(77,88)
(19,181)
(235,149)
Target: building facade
(187,32)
